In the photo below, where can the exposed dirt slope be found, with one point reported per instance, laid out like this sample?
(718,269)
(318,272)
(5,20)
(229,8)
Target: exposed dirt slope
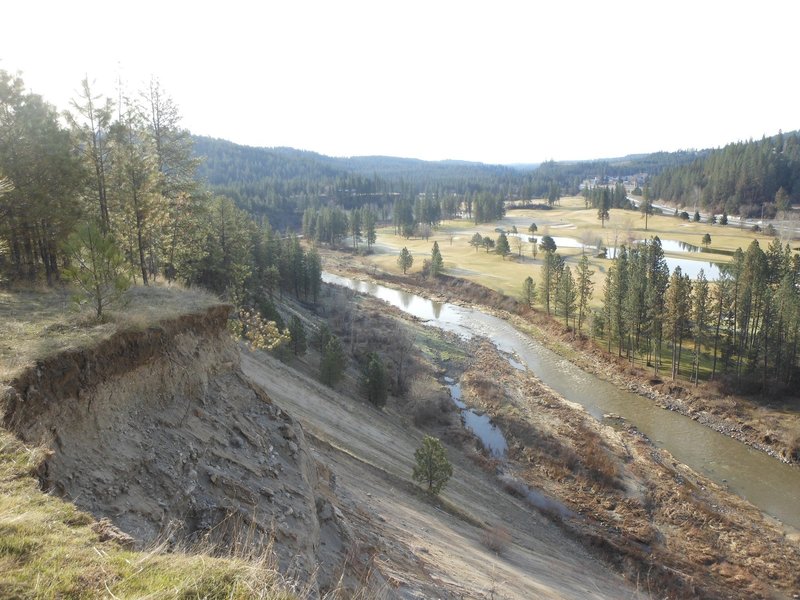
(159,431)
(428,550)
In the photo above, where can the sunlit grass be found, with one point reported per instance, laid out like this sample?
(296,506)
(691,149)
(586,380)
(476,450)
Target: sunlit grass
(570,219)
(48,549)
(39,322)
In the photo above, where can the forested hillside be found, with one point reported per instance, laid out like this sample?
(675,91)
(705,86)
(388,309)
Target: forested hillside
(751,178)
(282,183)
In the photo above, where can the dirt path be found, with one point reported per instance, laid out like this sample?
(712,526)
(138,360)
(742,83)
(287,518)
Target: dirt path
(426,551)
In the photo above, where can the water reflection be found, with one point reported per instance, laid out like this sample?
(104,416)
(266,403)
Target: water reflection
(767,483)
(480,424)
(689,266)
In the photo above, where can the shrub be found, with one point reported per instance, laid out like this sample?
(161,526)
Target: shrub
(496,538)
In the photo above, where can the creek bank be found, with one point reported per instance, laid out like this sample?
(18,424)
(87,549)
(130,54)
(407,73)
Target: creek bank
(775,433)
(654,519)
(159,431)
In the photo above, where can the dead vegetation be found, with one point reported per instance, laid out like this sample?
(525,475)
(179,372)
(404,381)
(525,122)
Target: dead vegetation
(768,423)
(496,538)
(39,322)
(653,519)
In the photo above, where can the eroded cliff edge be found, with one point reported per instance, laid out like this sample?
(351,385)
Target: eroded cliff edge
(158,430)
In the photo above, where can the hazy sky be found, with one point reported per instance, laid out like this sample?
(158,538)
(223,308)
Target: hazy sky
(493,81)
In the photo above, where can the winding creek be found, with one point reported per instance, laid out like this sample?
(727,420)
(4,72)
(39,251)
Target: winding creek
(772,486)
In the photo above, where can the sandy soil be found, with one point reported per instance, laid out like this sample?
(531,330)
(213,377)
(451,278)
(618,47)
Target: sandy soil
(428,548)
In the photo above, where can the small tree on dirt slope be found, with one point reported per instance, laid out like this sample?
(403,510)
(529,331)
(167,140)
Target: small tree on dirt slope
(298,334)
(432,466)
(331,368)
(374,380)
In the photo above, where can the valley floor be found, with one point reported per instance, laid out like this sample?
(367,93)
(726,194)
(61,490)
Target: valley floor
(635,510)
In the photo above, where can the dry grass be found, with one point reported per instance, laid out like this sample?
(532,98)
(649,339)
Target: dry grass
(37,323)
(570,219)
(496,538)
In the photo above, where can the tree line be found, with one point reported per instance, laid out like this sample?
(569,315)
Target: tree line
(281,183)
(752,179)
(127,168)
(745,326)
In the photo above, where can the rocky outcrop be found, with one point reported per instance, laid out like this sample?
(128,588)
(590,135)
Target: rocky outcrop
(159,431)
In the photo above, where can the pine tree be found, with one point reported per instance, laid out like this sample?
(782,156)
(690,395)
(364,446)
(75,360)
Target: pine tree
(566,295)
(603,204)
(355,227)
(657,282)
(96,267)
(547,244)
(615,292)
(701,306)
(678,307)
(331,368)
(374,380)
(431,465)
(551,270)
(298,333)
(529,291)
(369,219)
(502,247)
(476,240)
(646,206)
(585,289)
(90,124)
(437,262)
(405,260)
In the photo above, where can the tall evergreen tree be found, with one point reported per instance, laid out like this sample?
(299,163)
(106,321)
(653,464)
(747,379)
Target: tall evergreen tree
(585,289)
(528,291)
(375,380)
(332,365)
(566,295)
(646,206)
(298,334)
(437,262)
(502,247)
(90,121)
(678,307)
(701,305)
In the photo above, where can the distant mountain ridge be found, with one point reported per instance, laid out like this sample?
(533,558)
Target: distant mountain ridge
(223,158)
(281,182)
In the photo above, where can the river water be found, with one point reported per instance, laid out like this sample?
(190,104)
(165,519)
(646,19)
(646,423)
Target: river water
(772,486)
